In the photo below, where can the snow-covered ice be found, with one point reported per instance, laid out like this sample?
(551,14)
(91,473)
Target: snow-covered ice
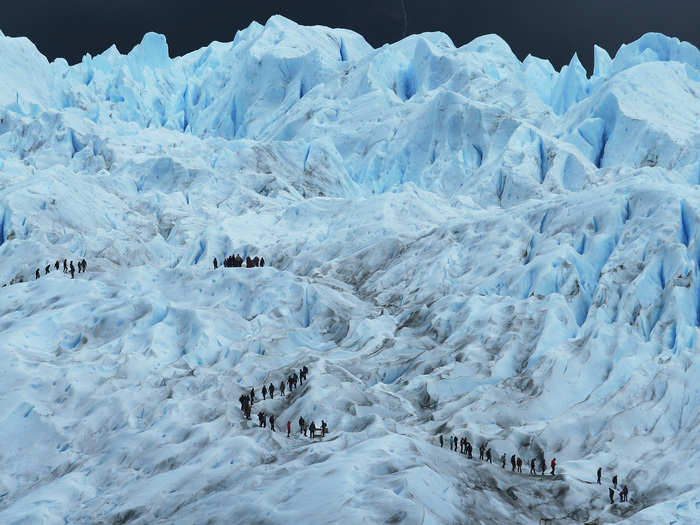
(457,243)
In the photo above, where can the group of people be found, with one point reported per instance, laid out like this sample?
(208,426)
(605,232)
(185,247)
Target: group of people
(485,454)
(516,463)
(236,261)
(611,490)
(82,267)
(248,399)
(67,268)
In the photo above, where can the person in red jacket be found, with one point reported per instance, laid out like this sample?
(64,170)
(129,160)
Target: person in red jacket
(289,428)
(554,465)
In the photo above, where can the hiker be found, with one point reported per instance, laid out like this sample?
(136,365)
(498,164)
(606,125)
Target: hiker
(512,462)
(72,270)
(625,492)
(611,494)
(532,467)
(503,460)
(57,265)
(262,262)
(37,273)
(615,481)
(216,263)
(520,465)
(554,465)
(451,444)
(282,385)
(264,392)
(306,371)
(442,441)
(488,456)
(543,465)
(324,428)
(600,473)
(301,377)
(455,443)
(289,428)
(272,390)
(481,452)
(289,382)
(301,425)
(65,267)
(469,450)
(261,418)
(252,395)
(312,429)
(272,423)
(47,269)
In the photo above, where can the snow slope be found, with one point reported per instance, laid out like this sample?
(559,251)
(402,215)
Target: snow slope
(458,243)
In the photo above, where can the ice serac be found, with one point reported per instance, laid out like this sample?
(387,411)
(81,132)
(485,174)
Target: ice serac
(571,86)
(456,243)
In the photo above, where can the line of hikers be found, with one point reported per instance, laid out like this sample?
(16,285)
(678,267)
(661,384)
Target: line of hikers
(304,427)
(82,267)
(236,261)
(485,454)
(516,463)
(624,491)
(248,399)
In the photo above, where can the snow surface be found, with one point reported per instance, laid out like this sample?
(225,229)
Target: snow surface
(457,243)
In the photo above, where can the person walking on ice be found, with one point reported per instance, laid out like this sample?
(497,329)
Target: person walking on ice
(554,465)
(532,467)
(599,473)
(271,390)
(264,392)
(289,428)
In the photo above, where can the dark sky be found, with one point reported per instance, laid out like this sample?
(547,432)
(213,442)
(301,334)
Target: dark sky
(552,29)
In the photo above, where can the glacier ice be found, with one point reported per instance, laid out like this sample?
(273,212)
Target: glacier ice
(458,243)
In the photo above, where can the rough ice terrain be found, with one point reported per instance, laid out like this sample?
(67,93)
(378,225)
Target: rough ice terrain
(458,243)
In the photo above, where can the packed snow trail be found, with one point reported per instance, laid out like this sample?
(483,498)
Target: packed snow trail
(458,241)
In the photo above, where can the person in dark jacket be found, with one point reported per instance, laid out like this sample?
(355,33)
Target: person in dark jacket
(264,392)
(599,473)
(272,423)
(611,494)
(312,429)
(262,262)
(272,390)
(488,456)
(289,428)
(301,425)
(503,460)
(72,270)
(282,384)
(65,266)
(520,465)
(442,441)
(512,462)
(532,467)
(252,395)
(614,480)
(38,274)
(554,465)
(216,263)
(57,265)
(47,269)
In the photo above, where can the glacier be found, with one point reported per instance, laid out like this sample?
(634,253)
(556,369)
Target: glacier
(457,243)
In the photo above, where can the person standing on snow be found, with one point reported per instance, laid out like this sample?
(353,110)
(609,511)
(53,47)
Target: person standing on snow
(289,428)
(282,387)
(611,494)
(216,263)
(503,460)
(554,464)
(272,423)
(442,441)
(264,392)
(532,467)
(512,462)
(520,465)
(488,456)
(614,480)
(600,473)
